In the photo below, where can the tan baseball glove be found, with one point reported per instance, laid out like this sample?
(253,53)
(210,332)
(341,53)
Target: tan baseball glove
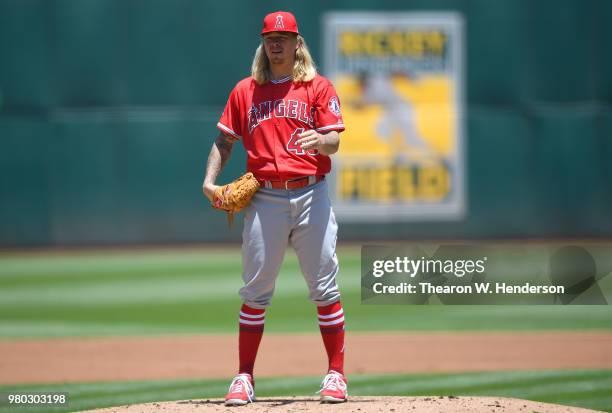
(236,195)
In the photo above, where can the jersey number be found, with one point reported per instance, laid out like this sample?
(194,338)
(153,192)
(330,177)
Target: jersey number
(295,148)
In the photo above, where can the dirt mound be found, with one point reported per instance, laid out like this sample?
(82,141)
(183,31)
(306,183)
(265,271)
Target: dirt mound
(355,405)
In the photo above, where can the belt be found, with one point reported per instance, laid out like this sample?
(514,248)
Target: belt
(295,183)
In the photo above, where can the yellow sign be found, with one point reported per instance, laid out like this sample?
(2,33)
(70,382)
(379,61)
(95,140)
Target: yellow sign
(399,80)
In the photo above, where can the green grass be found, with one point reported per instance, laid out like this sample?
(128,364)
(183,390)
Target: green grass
(583,388)
(195,291)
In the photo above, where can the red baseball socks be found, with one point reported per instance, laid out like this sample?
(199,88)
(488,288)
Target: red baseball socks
(331,324)
(251,330)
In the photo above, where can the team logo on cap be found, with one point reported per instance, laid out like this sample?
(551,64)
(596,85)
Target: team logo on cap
(334,105)
(279,22)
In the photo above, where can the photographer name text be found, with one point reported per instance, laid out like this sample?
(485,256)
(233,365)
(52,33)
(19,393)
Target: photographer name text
(476,288)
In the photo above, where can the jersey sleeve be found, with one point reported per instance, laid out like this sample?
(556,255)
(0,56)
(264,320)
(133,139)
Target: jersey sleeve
(230,122)
(328,115)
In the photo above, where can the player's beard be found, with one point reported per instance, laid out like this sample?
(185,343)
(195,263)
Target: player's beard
(282,61)
(277,58)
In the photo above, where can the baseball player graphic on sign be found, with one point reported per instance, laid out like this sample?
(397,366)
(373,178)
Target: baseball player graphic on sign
(398,114)
(288,118)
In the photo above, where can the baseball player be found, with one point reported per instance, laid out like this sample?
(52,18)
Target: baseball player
(288,119)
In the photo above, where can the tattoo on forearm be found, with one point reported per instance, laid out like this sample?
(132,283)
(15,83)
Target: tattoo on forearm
(224,145)
(218,157)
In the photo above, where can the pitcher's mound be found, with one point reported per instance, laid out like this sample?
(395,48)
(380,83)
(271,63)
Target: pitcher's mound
(362,404)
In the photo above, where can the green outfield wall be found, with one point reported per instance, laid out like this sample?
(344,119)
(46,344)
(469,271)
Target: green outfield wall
(108,110)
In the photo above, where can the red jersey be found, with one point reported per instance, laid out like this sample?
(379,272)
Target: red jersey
(269,118)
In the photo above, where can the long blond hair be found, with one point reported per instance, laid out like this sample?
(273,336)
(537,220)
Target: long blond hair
(304,68)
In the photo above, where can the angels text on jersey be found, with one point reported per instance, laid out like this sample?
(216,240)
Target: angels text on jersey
(280,108)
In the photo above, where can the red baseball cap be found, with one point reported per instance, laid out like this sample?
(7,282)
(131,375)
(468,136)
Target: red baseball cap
(279,21)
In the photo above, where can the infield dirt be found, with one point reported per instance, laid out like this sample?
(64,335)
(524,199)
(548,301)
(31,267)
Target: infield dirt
(206,356)
(355,405)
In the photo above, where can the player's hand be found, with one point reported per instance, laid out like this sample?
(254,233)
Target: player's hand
(209,190)
(310,139)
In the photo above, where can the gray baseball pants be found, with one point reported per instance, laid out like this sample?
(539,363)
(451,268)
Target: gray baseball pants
(302,218)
